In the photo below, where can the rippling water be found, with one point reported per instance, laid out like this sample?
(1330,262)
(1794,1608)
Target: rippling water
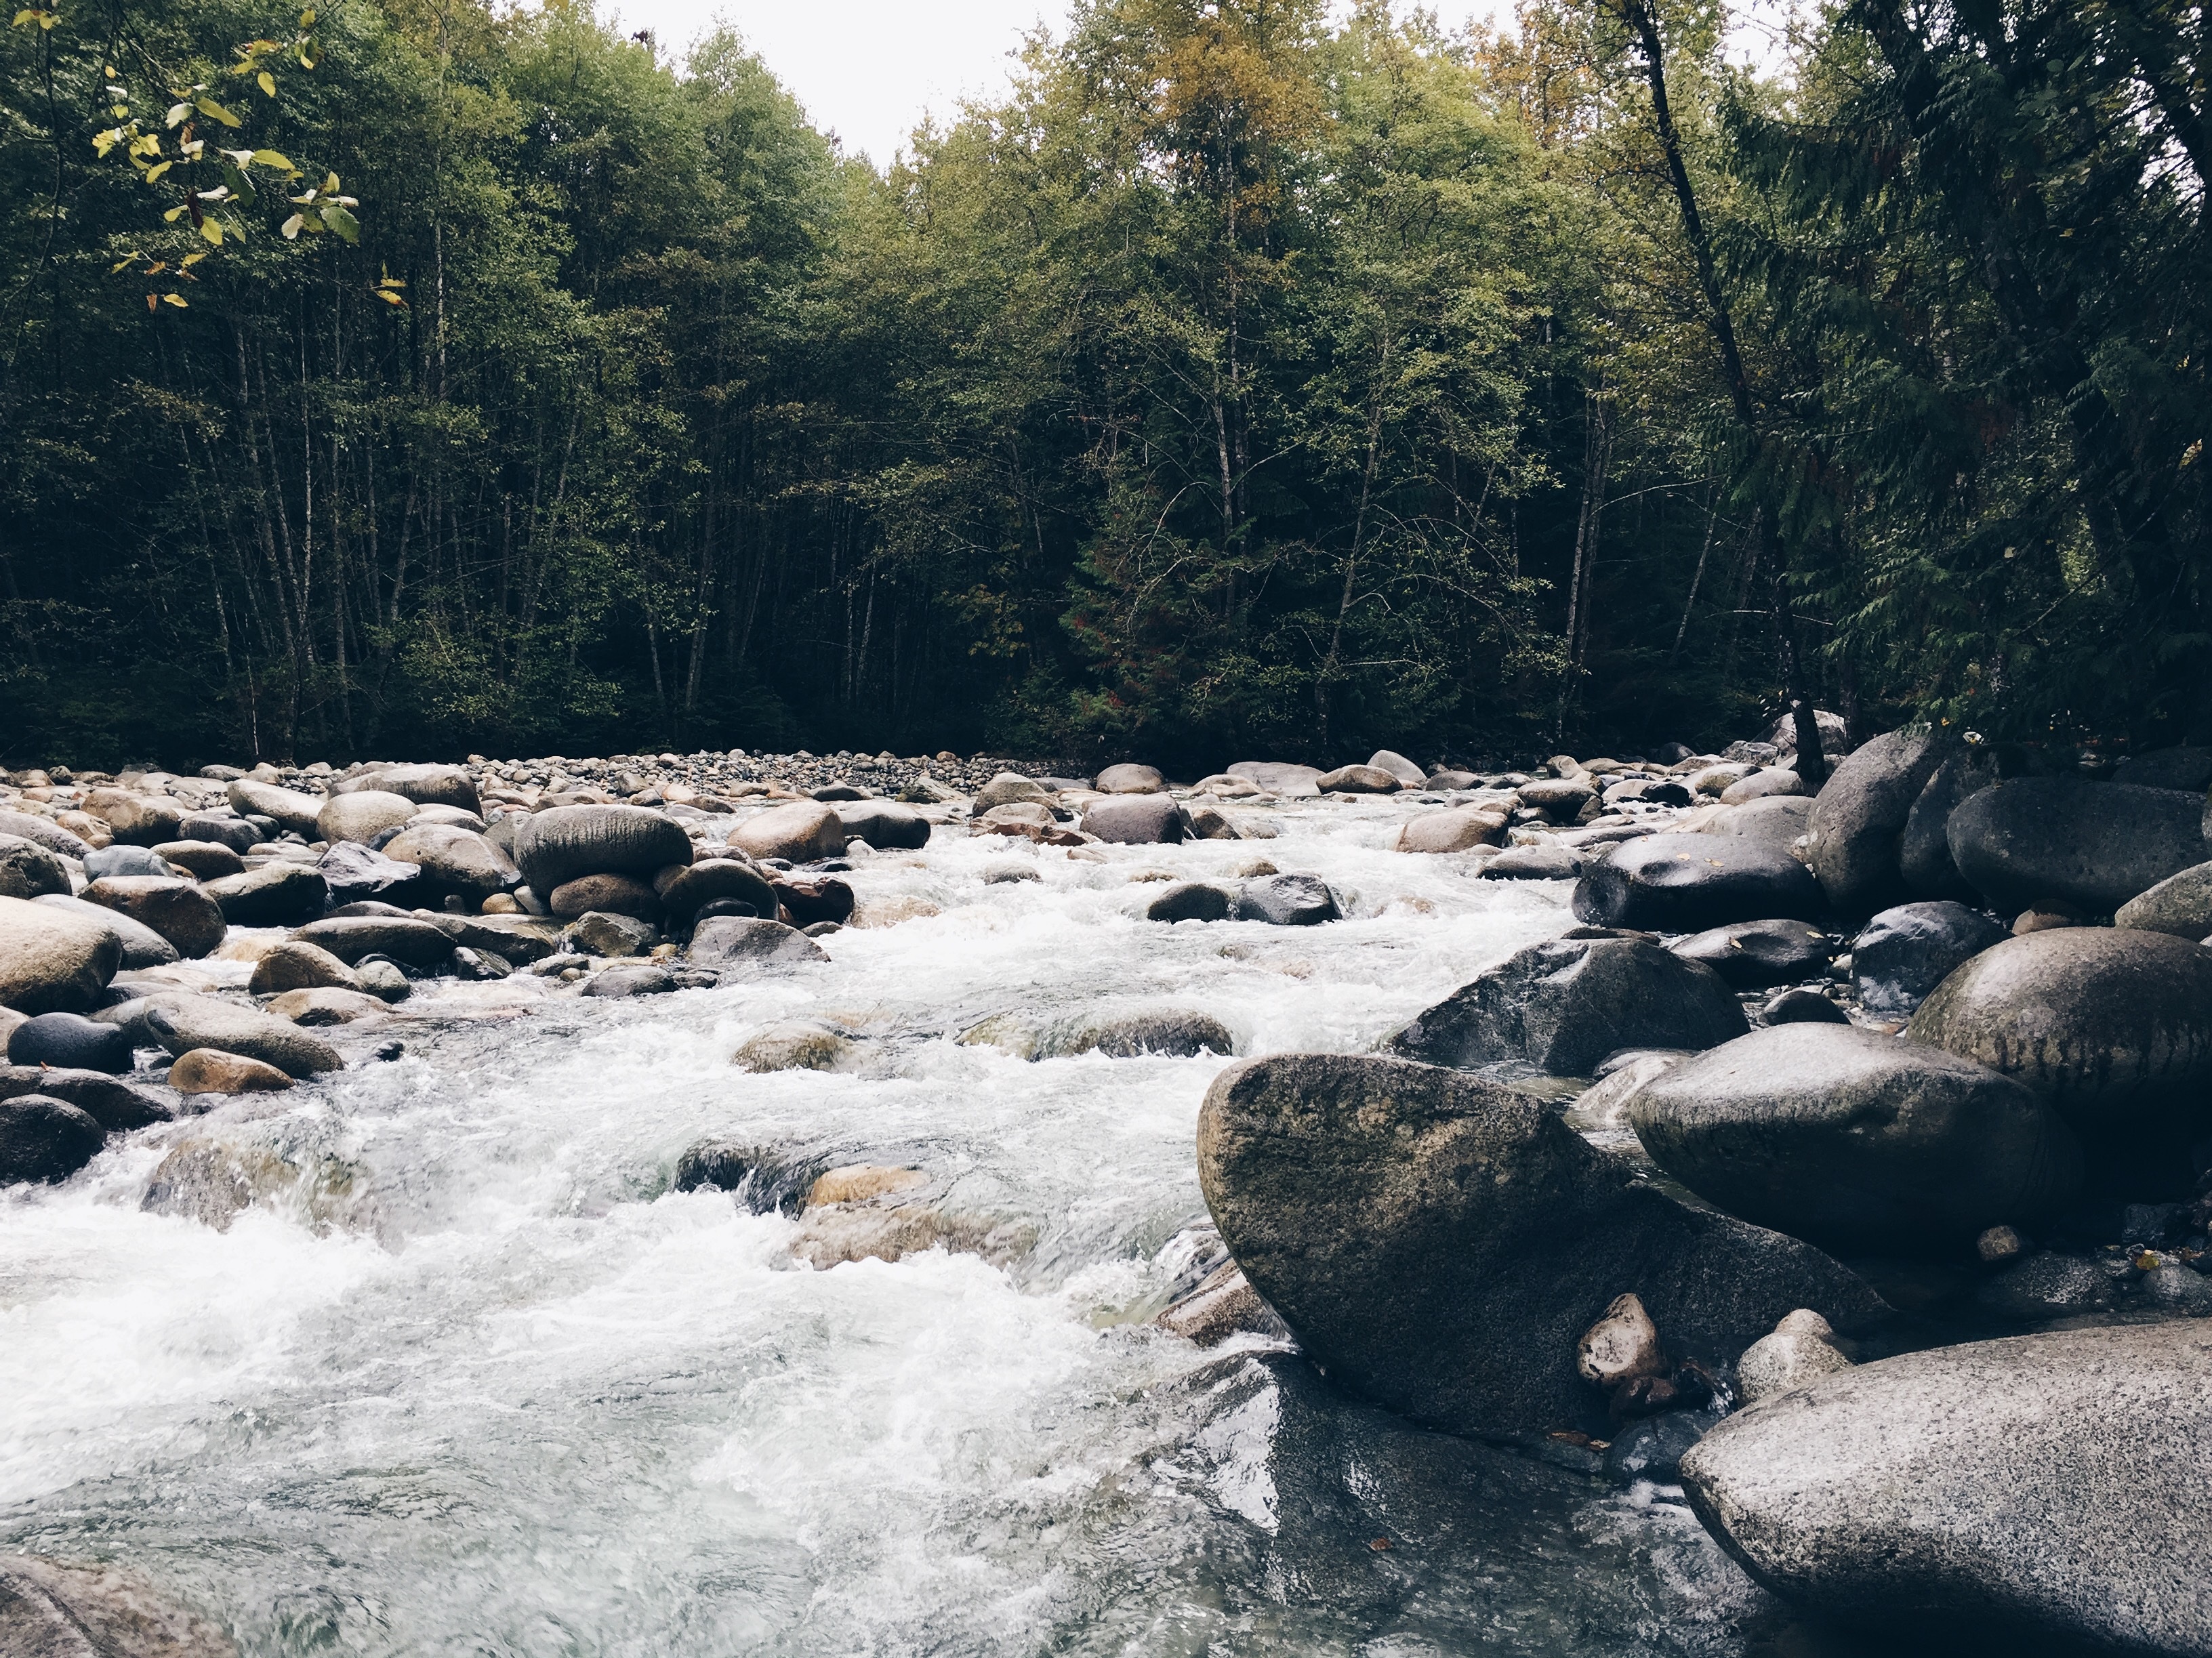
(508,1392)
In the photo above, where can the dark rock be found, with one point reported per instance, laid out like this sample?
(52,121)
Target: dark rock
(2038,1494)
(1903,954)
(603,933)
(815,899)
(45,1141)
(1178,1033)
(219,829)
(712,880)
(521,938)
(1224,1305)
(1439,1243)
(455,860)
(885,824)
(404,938)
(480,966)
(1136,820)
(71,1042)
(1857,822)
(605,894)
(1687,882)
(2178,1289)
(1803,1008)
(2188,768)
(2114,1028)
(278,894)
(766,1180)
(2074,842)
(2045,1286)
(1654,1448)
(554,847)
(1532,863)
(125,861)
(727,942)
(115,1106)
(143,947)
(1561,798)
(352,872)
(1286,901)
(1857,1141)
(1923,851)
(2180,904)
(204,860)
(1190,901)
(1753,955)
(1564,1004)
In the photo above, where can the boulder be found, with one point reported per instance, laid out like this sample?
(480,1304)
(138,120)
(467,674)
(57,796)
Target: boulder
(49,1610)
(885,825)
(27,870)
(454,859)
(143,947)
(1286,901)
(2180,904)
(1835,733)
(2071,840)
(1778,821)
(1564,1004)
(323,1006)
(1761,785)
(1224,1305)
(608,895)
(1903,954)
(1801,1349)
(810,900)
(1009,788)
(1179,1032)
(54,960)
(1439,1243)
(104,861)
(1136,820)
(204,1022)
(1280,777)
(138,820)
(1358,779)
(801,832)
(115,1106)
(2114,1028)
(644,978)
(425,784)
(1553,863)
(42,832)
(1688,883)
(204,860)
(1803,1008)
(71,1042)
(1857,820)
(294,812)
(297,965)
(278,894)
(1454,830)
(45,1141)
(1923,850)
(1208,823)
(608,933)
(1190,901)
(352,873)
(1857,1141)
(2187,769)
(404,938)
(1131,780)
(2036,1494)
(361,815)
(179,910)
(211,1070)
(1560,799)
(1754,955)
(716,879)
(793,1045)
(725,942)
(1408,775)
(219,829)
(554,847)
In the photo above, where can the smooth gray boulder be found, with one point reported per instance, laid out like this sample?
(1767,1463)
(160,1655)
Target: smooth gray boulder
(1440,1243)
(455,860)
(44,832)
(292,811)
(1407,774)
(2182,768)
(1778,821)
(352,872)
(192,1021)
(1902,954)
(724,942)
(1688,883)
(885,825)
(1758,955)
(2180,904)
(1286,901)
(143,947)
(2072,841)
(1131,779)
(1857,1141)
(361,814)
(179,909)
(1564,1004)
(1858,819)
(425,784)
(278,894)
(1137,820)
(1532,864)
(2036,1494)
(402,937)
(554,848)
(2113,1027)
(54,960)
(45,1141)
(27,870)
(1923,851)
(113,1104)
(1290,780)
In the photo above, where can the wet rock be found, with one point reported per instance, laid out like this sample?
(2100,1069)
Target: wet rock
(1857,1141)
(1358,779)
(27,869)
(1411,1225)
(2073,842)
(289,1163)
(1604,1104)
(713,880)
(53,960)
(402,937)
(203,1021)
(2188,768)
(1923,850)
(603,933)
(1903,954)
(1779,822)
(325,1005)
(731,942)
(2181,905)
(1560,799)
(71,1042)
(219,829)
(1208,823)
(1010,874)
(1408,775)
(1136,820)
(2114,1028)
(1224,1305)
(1753,955)
(1532,863)
(1131,780)
(1801,1350)
(865,1214)
(179,910)
(1454,830)
(1654,1448)
(49,1610)
(455,860)
(862,1182)
(45,1141)
(518,938)
(278,894)
(885,825)
(2035,1492)
(800,832)
(1564,1004)
(1857,820)
(1190,901)
(811,899)
(115,1106)
(2047,1285)
(640,980)
(211,1070)
(2177,1289)
(1688,883)
(1802,1006)
(795,1045)
(554,847)
(143,947)
(608,895)
(1286,901)
(125,861)
(295,812)
(381,978)
(1760,786)
(1179,1032)
(204,860)
(362,814)
(295,965)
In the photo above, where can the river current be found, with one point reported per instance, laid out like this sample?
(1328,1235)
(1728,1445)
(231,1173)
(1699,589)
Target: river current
(471,1377)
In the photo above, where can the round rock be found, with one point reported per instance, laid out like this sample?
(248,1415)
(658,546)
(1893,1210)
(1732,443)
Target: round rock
(45,1141)
(1688,883)
(1754,955)
(361,814)
(71,1042)
(211,1070)
(27,870)
(2074,842)
(179,910)
(1136,820)
(1903,954)
(799,833)
(554,848)
(54,960)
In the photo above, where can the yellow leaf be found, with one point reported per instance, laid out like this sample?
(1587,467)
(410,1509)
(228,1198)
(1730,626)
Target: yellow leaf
(191,259)
(177,300)
(388,297)
(155,172)
(128,259)
(216,112)
(308,18)
(173,215)
(211,228)
(267,83)
(273,158)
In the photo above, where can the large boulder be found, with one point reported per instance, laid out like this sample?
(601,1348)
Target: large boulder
(143,947)
(1280,777)
(553,848)
(192,1021)
(297,965)
(455,860)
(605,895)
(1857,1141)
(2113,1027)
(800,833)
(2180,904)
(1439,1243)
(1564,1004)
(1754,955)
(728,942)
(1923,851)
(105,861)
(426,785)
(1358,779)
(49,1610)
(1778,821)
(27,870)
(2074,842)
(1190,901)
(885,825)
(114,1105)
(45,1141)
(352,872)
(71,1042)
(1858,819)
(42,832)
(1286,901)
(2039,1494)
(2187,769)
(293,812)
(280,893)
(1136,820)
(1456,829)
(1129,779)
(139,820)
(54,960)
(204,860)
(1687,882)
(1408,775)
(361,815)
(179,910)
(403,937)
(1902,954)
(713,880)
(1009,788)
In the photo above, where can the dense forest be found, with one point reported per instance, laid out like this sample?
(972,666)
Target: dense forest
(425,376)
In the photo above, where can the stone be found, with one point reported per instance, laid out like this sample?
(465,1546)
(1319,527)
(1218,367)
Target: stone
(1286,901)
(379,978)
(45,1141)
(1209,823)
(404,938)
(1802,1006)
(204,860)
(641,979)
(793,1045)
(726,942)
(2187,769)
(1136,820)
(325,1005)
(2047,1285)
(1622,1346)
(179,910)
(1653,1449)
(2178,1289)
(1408,775)
(1454,830)
(104,861)
(1777,821)
(830,1234)
(1439,1243)
(1451,780)
(1008,788)
(1923,850)
(2113,1027)
(2043,919)
(278,894)
(1224,1305)
(862,1183)
(288,1162)
(293,812)
(454,859)
(143,947)
(1760,786)
(2040,1493)
(1603,1106)
(2180,904)
(44,832)
(352,873)
(1190,901)
(717,879)
(296,965)
(425,784)
(138,820)
(1801,1349)
(1131,780)
(554,846)
(1754,955)
(1178,1033)
(1716,779)
(1011,874)
(1901,955)
(71,1042)
(811,901)
(54,960)
(610,894)
(1358,779)
(220,828)
(204,1022)
(1560,799)
(1278,777)
(1553,863)
(885,825)
(1566,1004)
(27,870)
(114,1105)
(49,1610)
(611,933)
(802,832)
(1857,1141)
(2073,842)
(361,815)
(211,1070)
(1858,819)
(1688,883)
(1835,734)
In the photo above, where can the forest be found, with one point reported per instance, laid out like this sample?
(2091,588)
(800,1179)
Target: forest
(427,376)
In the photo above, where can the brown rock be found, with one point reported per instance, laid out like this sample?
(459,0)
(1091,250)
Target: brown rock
(801,832)
(325,1004)
(294,965)
(204,860)
(605,894)
(211,1070)
(176,909)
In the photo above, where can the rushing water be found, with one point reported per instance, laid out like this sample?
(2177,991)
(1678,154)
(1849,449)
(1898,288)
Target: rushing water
(496,1388)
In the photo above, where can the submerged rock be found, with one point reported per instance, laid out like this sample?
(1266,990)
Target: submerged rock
(795,1045)
(51,1610)
(726,942)
(288,1164)
(1286,901)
